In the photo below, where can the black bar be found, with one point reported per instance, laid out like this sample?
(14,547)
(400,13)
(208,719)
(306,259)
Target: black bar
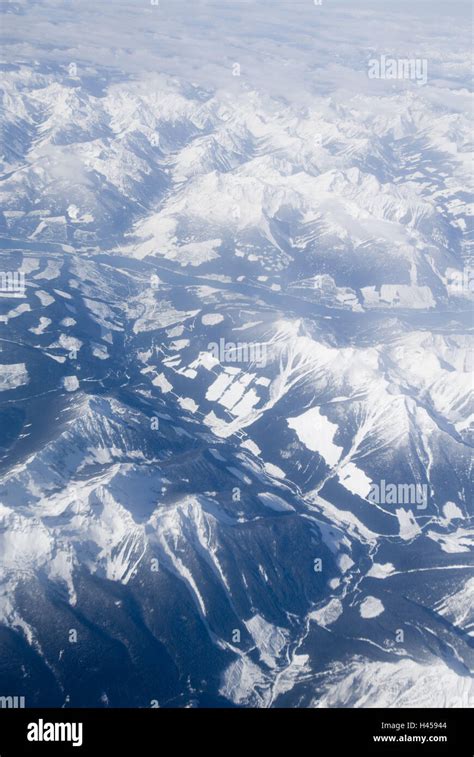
(317,731)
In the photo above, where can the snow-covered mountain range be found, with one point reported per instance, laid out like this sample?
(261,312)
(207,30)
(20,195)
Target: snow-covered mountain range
(236,387)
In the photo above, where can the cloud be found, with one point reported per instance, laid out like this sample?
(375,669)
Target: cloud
(291,50)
